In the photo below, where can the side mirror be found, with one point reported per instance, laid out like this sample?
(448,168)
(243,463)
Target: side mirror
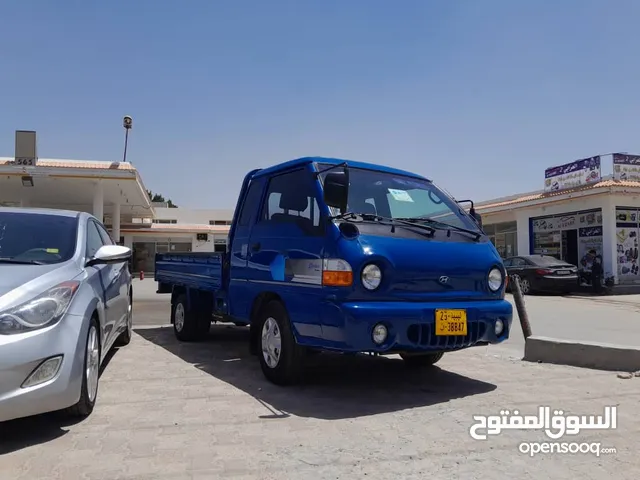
(476,216)
(336,189)
(472,211)
(108,254)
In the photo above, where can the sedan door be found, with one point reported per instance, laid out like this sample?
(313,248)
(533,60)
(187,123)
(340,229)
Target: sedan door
(100,279)
(120,284)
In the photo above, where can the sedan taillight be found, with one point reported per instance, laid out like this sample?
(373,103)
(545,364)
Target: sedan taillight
(543,271)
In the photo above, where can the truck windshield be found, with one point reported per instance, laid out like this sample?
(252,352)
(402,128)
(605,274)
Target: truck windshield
(398,196)
(36,239)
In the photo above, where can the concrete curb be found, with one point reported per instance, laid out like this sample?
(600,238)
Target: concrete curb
(599,356)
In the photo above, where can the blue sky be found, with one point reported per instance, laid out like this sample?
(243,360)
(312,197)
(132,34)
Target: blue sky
(480,96)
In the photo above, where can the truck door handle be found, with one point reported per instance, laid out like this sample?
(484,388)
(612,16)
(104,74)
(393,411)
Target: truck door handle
(255,247)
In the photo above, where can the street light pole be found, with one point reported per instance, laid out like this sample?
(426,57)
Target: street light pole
(127,123)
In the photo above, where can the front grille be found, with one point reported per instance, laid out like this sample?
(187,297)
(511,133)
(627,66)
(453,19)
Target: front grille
(424,335)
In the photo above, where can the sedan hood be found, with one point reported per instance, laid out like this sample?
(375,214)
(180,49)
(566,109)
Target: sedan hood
(19,283)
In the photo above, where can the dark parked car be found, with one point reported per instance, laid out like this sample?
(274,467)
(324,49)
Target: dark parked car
(543,273)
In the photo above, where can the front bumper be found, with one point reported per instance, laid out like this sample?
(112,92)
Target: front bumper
(411,326)
(21,354)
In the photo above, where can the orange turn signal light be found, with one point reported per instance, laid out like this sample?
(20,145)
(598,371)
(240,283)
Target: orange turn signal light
(337,278)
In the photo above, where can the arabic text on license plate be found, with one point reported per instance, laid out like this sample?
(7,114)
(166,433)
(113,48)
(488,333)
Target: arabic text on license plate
(451,322)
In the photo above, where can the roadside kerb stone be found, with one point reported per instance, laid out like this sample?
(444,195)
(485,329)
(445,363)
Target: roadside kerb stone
(599,356)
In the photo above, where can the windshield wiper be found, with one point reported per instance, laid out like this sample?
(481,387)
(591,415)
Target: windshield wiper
(436,224)
(370,217)
(20,262)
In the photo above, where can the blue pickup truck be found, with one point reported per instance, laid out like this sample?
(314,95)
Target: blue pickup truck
(328,254)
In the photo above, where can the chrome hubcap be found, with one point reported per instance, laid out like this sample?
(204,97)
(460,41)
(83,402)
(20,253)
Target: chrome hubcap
(93,363)
(130,317)
(271,343)
(524,285)
(179,317)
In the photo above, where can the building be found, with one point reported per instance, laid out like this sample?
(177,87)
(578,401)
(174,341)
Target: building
(115,193)
(576,212)
(176,230)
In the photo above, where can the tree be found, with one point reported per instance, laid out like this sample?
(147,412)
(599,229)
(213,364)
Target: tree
(156,197)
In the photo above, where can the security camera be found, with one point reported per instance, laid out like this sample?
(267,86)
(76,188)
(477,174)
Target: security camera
(127,122)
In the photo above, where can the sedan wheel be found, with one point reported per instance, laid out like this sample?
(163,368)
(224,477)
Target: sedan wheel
(525,286)
(90,373)
(93,363)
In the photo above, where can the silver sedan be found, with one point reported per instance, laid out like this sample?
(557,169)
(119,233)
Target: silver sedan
(65,299)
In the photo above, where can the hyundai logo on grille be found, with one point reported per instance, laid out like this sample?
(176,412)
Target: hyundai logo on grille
(443,280)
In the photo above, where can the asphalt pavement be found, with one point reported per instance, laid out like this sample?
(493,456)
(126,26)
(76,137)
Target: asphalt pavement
(175,411)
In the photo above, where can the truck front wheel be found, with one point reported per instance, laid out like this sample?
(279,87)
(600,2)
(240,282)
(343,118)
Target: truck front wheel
(421,359)
(281,358)
(188,325)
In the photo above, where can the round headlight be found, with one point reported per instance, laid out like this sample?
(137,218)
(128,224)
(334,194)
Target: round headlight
(495,279)
(371,277)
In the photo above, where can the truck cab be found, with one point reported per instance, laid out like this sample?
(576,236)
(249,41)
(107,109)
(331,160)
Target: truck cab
(328,254)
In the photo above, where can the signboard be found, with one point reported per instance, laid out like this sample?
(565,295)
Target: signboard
(569,221)
(25,155)
(626,167)
(571,175)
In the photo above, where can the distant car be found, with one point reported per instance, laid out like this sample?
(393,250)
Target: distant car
(543,273)
(65,299)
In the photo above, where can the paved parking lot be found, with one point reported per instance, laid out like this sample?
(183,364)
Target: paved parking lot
(203,411)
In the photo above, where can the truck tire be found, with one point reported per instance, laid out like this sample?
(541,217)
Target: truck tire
(422,359)
(281,358)
(188,325)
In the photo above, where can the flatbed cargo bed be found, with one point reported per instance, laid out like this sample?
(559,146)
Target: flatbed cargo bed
(199,270)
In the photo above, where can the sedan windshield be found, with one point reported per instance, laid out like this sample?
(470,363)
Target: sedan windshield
(30,238)
(398,196)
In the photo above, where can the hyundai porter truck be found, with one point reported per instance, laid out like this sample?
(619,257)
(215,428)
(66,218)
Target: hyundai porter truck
(329,254)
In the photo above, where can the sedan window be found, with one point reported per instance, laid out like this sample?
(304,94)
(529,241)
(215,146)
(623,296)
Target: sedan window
(37,238)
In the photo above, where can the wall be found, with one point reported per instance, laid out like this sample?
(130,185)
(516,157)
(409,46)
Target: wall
(193,216)
(499,217)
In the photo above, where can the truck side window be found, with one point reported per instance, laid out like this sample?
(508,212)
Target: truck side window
(250,204)
(291,199)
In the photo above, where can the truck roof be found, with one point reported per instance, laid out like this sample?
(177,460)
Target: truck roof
(334,161)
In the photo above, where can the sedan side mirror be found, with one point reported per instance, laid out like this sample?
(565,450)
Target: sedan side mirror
(109,254)
(336,189)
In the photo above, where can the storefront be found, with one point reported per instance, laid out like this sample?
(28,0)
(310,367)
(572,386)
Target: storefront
(504,236)
(568,236)
(627,219)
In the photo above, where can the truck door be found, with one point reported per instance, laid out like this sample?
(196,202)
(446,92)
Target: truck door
(239,250)
(285,248)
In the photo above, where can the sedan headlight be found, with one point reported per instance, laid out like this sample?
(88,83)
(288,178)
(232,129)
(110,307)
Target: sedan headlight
(39,312)
(495,279)
(371,277)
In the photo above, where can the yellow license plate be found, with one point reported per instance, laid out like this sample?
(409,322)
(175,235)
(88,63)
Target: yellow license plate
(451,322)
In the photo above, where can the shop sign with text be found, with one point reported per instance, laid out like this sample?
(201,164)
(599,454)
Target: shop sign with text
(626,167)
(567,222)
(575,174)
